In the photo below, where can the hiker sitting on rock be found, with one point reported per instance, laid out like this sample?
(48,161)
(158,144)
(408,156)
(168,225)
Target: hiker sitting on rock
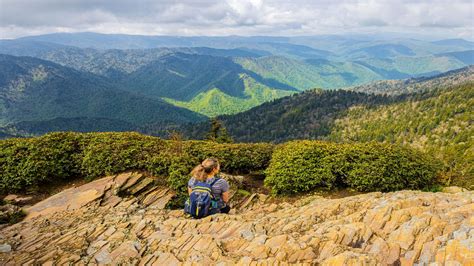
(208,193)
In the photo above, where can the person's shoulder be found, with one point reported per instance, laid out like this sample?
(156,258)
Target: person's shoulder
(221,181)
(223,184)
(191,181)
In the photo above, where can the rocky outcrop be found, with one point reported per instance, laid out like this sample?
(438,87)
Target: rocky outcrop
(108,191)
(121,219)
(18,200)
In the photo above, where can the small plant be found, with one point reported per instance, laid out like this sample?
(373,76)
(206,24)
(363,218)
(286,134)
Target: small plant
(433,188)
(242,193)
(17,217)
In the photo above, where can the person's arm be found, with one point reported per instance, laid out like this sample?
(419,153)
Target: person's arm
(225,191)
(225,196)
(189,190)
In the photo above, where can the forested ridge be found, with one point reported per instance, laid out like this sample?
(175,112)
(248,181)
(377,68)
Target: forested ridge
(439,122)
(35,90)
(396,87)
(435,119)
(228,75)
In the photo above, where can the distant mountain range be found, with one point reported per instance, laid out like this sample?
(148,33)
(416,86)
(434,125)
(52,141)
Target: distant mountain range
(320,44)
(100,82)
(313,114)
(32,90)
(397,87)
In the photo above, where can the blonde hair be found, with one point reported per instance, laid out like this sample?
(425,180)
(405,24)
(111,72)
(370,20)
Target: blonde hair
(201,171)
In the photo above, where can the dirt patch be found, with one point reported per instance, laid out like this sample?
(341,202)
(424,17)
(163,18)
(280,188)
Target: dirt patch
(327,194)
(47,190)
(255,183)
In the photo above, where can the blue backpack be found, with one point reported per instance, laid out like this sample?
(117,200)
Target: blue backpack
(200,199)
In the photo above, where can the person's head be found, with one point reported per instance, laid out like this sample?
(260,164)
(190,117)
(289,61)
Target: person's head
(207,168)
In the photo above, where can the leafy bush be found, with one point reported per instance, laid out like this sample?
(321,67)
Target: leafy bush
(29,162)
(34,161)
(384,167)
(234,158)
(109,153)
(301,166)
(297,166)
(178,177)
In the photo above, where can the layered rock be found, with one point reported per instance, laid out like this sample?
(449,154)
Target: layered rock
(18,200)
(121,219)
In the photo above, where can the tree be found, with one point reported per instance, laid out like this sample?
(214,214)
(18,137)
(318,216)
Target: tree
(218,132)
(177,137)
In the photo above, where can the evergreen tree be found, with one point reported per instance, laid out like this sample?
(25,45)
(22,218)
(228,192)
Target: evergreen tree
(224,136)
(218,132)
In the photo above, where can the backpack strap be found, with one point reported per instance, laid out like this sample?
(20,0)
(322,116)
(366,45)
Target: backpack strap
(212,184)
(215,180)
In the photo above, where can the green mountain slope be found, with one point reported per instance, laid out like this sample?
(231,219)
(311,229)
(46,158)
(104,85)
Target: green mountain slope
(442,125)
(383,51)
(76,124)
(183,76)
(306,115)
(210,85)
(181,71)
(395,87)
(311,114)
(35,90)
(111,62)
(405,67)
(467,57)
(438,119)
(214,102)
(315,73)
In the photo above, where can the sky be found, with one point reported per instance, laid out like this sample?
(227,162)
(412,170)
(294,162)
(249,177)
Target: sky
(436,18)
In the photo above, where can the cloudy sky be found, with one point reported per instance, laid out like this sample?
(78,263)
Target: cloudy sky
(439,18)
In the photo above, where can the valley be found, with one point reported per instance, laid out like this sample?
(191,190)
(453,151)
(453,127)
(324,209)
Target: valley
(235,74)
(237,132)
(261,90)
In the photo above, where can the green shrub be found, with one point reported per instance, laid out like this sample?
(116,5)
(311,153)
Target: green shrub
(29,162)
(386,167)
(178,177)
(110,153)
(34,161)
(302,166)
(294,167)
(234,158)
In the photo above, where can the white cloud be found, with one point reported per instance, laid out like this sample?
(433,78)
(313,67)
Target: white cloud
(240,17)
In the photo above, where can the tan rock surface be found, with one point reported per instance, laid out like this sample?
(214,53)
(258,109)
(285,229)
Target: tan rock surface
(121,219)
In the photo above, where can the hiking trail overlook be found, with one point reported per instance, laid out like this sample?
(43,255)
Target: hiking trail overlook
(122,219)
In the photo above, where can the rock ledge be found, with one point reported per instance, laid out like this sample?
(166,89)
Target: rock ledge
(121,219)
